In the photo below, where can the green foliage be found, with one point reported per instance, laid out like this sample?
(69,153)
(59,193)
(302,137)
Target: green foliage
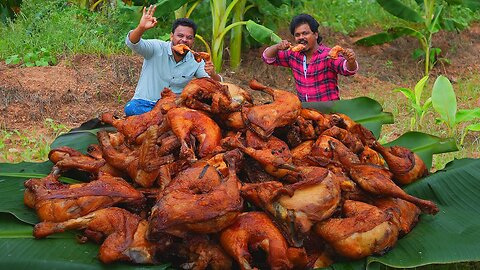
(16,145)
(414,98)
(422,25)
(38,58)
(9,9)
(444,102)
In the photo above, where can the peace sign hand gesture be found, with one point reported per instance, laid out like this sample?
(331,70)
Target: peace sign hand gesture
(148,21)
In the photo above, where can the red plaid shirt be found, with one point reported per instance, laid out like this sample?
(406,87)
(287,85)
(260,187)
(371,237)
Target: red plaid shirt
(317,80)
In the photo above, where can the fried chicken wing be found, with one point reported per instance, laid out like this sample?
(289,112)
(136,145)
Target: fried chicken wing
(405,165)
(364,230)
(125,235)
(56,202)
(263,119)
(204,253)
(335,51)
(254,231)
(404,214)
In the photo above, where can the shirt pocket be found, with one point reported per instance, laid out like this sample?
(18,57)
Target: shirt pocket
(179,81)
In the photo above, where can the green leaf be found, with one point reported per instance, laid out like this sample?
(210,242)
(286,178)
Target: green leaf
(398,9)
(276,3)
(262,34)
(452,235)
(11,187)
(425,145)
(391,34)
(41,63)
(467,115)
(372,118)
(408,93)
(419,89)
(80,138)
(444,100)
(165,7)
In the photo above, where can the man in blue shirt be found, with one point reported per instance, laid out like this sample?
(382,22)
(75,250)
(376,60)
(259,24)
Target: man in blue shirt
(162,66)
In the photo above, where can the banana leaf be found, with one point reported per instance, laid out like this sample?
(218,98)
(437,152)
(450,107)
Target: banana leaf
(390,35)
(399,10)
(165,7)
(262,34)
(425,145)
(363,110)
(449,237)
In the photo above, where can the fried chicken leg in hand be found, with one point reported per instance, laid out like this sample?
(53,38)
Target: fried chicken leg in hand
(198,200)
(405,165)
(185,122)
(125,234)
(263,119)
(253,231)
(364,230)
(56,202)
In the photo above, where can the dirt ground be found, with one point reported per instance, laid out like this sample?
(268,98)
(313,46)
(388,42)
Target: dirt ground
(84,86)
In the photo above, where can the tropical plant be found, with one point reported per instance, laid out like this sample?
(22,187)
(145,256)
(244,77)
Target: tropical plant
(415,103)
(421,25)
(222,12)
(444,102)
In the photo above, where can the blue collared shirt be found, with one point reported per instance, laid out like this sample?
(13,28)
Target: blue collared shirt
(160,69)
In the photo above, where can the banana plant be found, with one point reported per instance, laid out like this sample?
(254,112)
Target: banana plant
(444,102)
(421,25)
(414,98)
(226,16)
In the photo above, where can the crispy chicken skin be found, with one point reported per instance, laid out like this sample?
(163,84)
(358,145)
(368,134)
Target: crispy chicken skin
(263,119)
(133,126)
(124,234)
(55,201)
(362,231)
(185,122)
(253,231)
(405,165)
(198,200)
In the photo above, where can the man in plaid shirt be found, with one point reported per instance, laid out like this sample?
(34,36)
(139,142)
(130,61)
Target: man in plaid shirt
(315,73)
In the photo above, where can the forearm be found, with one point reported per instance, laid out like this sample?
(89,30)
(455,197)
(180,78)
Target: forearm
(271,51)
(351,65)
(136,35)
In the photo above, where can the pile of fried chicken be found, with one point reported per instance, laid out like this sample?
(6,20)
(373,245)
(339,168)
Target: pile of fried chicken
(210,179)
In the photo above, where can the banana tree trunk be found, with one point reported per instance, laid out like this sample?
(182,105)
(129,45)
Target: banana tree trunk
(236,37)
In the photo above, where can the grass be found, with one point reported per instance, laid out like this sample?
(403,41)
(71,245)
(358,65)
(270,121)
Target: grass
(31,145)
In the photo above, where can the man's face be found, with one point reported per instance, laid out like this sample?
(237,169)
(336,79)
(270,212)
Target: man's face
(304,35)
(183,35)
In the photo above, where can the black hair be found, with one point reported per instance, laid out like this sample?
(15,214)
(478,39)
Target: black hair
(184,22)
(305,19)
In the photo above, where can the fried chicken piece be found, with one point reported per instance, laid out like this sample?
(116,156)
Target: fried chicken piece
(297,48)
(54,201)
(405,214)
(368,155)
(263,119)
(301,153)
(66,158)
(254,231)
(133,126)
(348,138)
(125,235)
(364,230)
(272,154)
(203,253)
(136,163)
(185,122)
(405,165)
(208,95)
(198,200)
(296,207)
(183,49)
(335,51)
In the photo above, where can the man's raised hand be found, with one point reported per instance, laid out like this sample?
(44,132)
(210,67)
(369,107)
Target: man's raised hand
(148,21)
